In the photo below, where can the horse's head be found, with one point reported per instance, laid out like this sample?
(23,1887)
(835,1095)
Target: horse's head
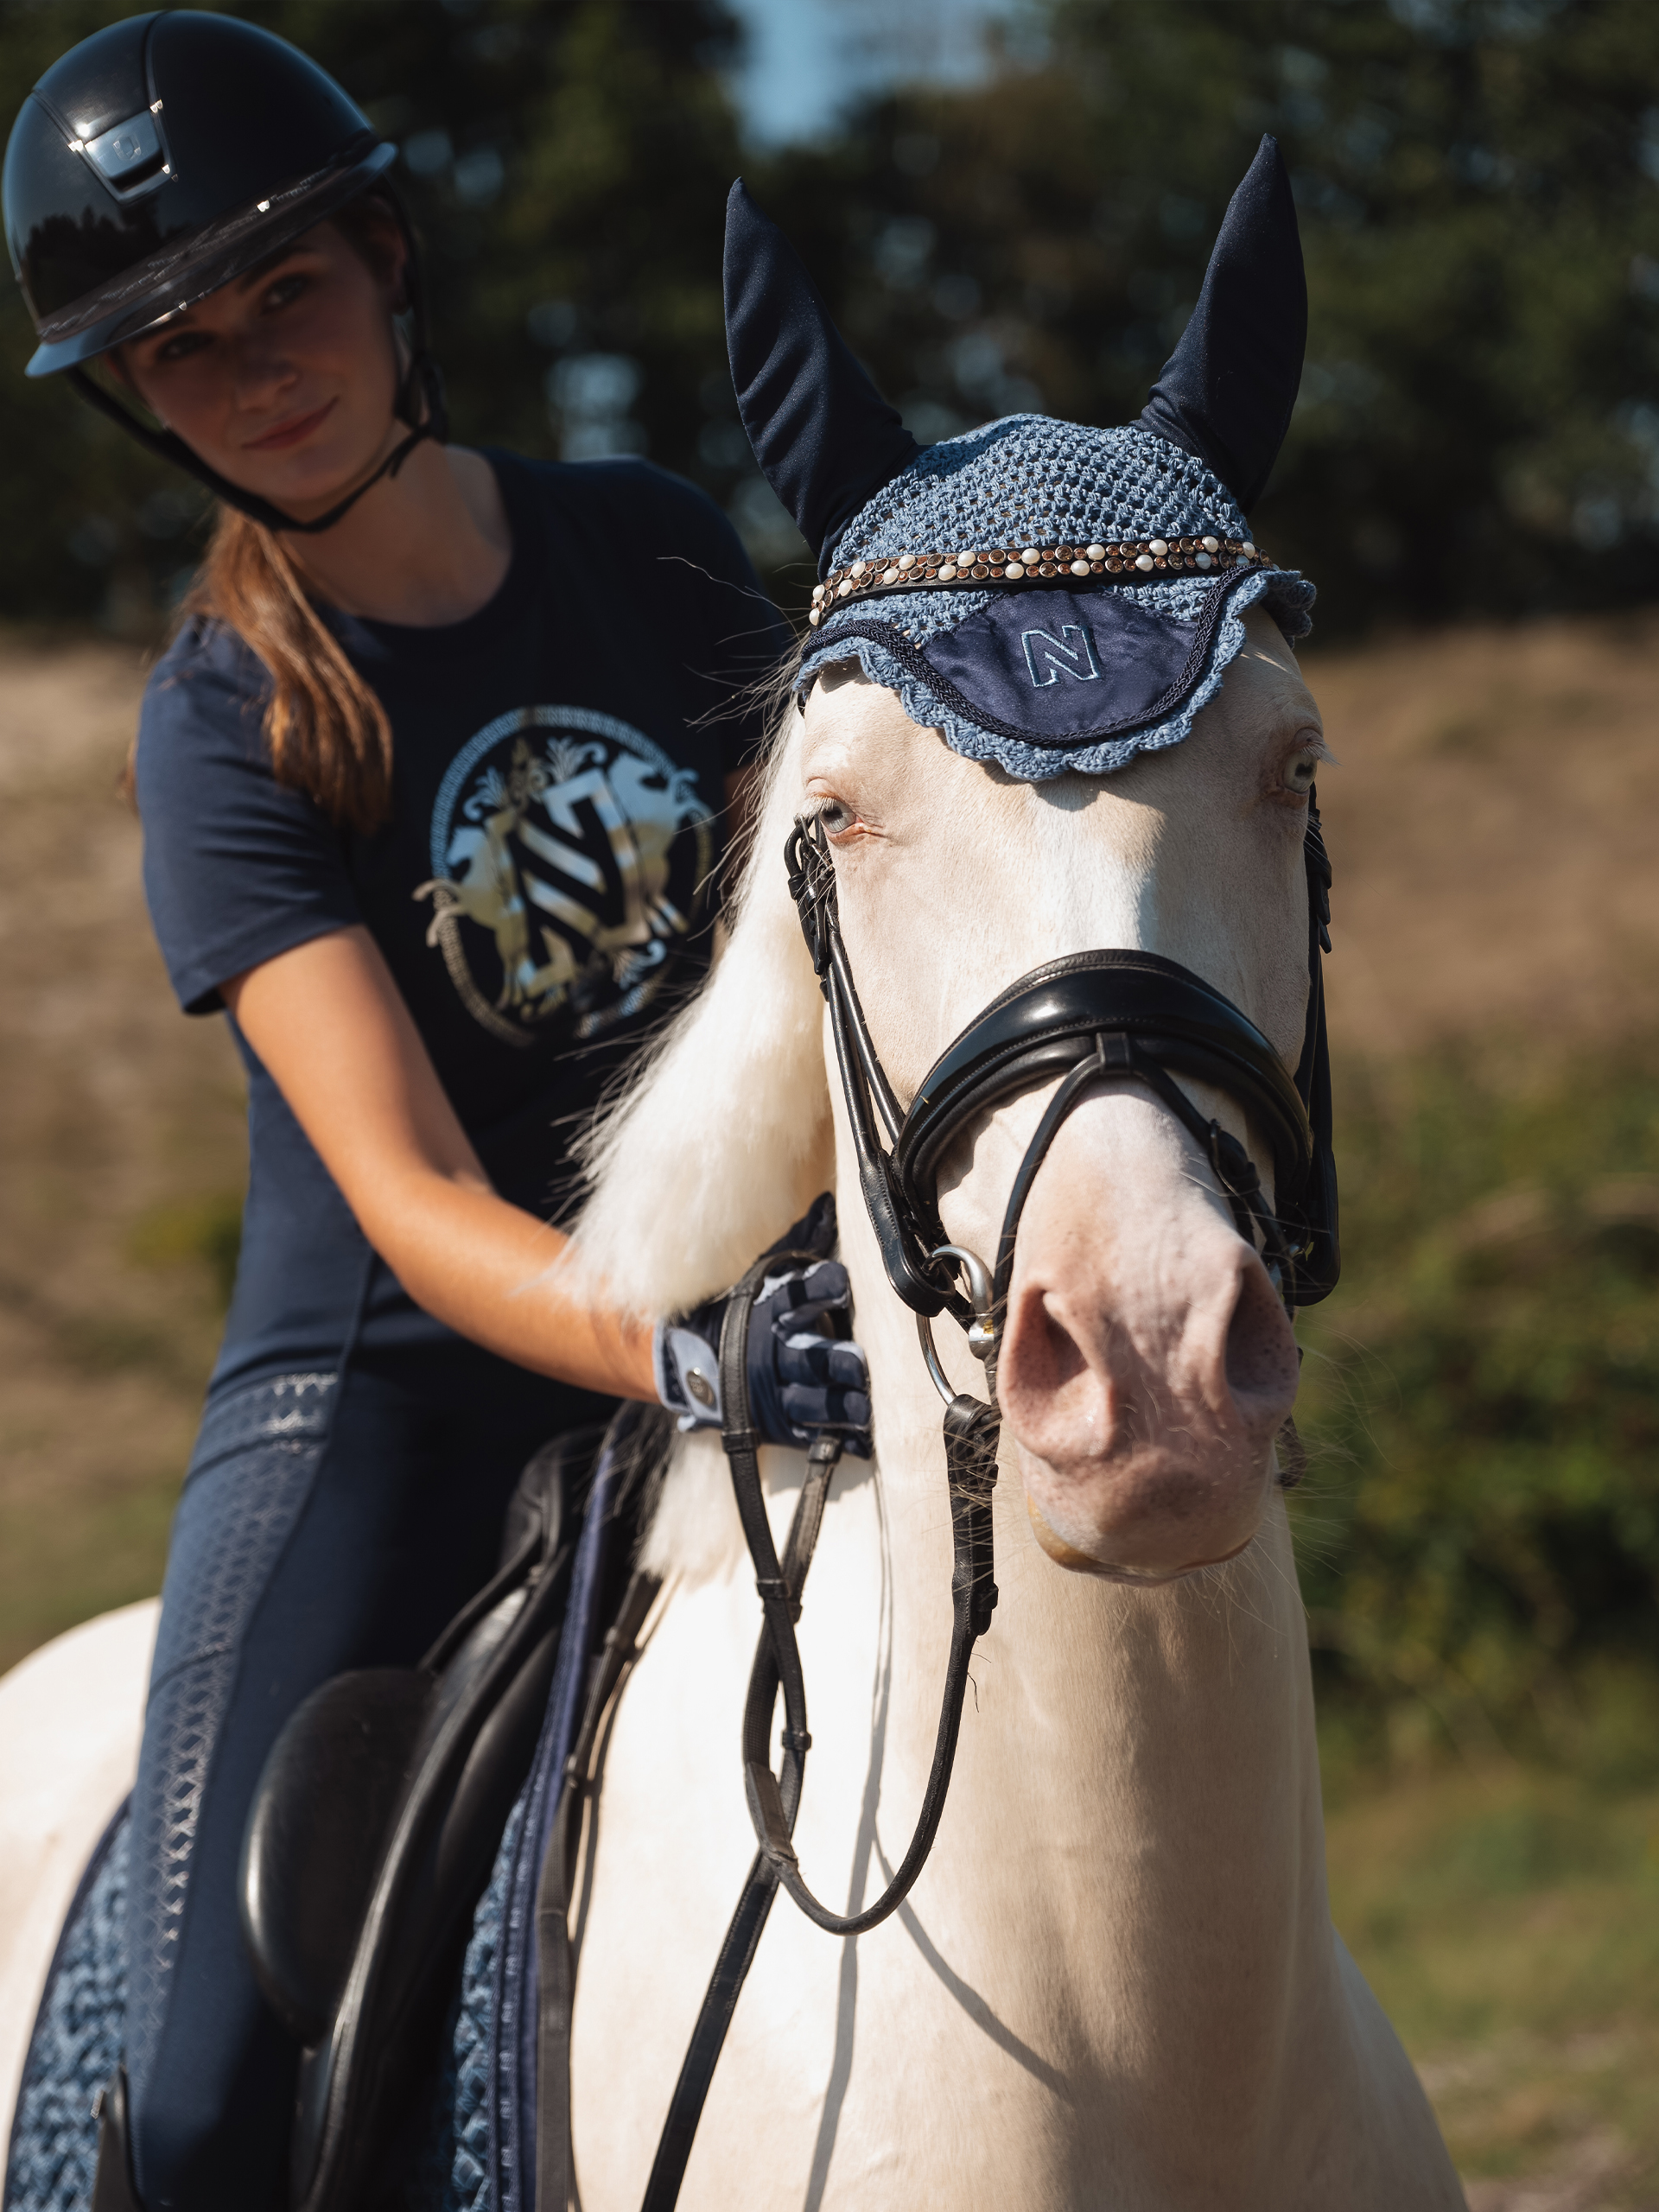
(1146,1363)
(1013,760)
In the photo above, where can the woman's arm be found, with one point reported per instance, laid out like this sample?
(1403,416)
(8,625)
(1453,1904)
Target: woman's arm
(330,1024)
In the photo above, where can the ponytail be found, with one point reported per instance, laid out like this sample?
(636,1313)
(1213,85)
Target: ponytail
(327,730)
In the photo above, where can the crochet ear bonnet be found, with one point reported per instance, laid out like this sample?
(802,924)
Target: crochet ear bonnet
(1050,597)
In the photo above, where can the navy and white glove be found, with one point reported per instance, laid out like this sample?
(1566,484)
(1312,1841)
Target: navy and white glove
(806,1374)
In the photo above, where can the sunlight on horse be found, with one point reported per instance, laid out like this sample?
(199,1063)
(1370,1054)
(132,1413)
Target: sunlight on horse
(1117,1980)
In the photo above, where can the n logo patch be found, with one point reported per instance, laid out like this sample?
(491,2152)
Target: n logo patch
(1048,657)
(1000,669)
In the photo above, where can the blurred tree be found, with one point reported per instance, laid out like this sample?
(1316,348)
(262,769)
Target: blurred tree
(567,161)
(1478,186)
(1478,181)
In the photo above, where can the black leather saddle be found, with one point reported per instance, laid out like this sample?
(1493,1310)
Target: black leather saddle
(376,1822)
(372,1830)
(370,1839)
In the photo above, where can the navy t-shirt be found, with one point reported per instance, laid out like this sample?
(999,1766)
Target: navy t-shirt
(543,890)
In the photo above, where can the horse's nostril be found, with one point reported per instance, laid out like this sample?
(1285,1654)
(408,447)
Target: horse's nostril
(1056,1357)
(1262,1370)
(1055,1380)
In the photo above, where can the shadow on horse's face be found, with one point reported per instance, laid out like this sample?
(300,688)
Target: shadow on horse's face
(1146,1363)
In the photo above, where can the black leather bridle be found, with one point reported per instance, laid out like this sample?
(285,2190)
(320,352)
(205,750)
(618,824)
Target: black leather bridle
(1089,1016)
(1093,1014)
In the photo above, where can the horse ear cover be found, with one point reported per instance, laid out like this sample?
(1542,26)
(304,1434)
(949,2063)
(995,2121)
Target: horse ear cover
(825,439)
(1040,678)
(1225,394)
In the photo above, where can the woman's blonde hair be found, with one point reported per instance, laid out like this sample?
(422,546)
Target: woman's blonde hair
(326,727)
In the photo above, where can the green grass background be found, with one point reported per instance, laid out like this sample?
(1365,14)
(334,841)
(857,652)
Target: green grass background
(1479,1540)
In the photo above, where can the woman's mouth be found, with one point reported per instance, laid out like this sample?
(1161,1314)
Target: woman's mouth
(289,433)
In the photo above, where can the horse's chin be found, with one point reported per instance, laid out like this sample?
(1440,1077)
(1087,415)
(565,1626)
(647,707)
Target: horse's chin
(1140,1557)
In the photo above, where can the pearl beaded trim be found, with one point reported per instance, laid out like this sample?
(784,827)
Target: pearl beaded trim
(1135,558)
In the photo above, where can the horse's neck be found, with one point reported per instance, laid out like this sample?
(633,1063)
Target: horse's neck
(1135,1810)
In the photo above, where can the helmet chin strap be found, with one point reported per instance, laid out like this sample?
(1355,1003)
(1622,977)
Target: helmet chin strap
(425,381)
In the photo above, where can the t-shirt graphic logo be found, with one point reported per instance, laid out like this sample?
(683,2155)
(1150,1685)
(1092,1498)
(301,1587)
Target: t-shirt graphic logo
(1048,657)
(570,858)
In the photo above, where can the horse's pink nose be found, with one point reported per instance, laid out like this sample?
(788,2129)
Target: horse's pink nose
(1145,1391)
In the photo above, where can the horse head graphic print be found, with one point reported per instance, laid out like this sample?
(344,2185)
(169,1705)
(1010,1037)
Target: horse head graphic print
(571,858)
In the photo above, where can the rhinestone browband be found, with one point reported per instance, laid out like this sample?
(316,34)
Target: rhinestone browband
(1137,557)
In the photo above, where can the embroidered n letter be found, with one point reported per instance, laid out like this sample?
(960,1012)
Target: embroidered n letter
(1047,657)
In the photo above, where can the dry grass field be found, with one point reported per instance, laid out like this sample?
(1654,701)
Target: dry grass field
(1492,824)
(120,1141)
(1492,827)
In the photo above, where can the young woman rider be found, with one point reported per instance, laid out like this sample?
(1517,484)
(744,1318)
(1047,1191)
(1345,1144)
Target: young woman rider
(432,781)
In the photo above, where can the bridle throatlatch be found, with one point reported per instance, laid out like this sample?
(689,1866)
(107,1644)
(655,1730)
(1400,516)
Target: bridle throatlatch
(1089,1016)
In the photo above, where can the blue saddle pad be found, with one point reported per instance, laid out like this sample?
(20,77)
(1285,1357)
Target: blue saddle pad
(477,2151)
(457,2168)
(76,2043)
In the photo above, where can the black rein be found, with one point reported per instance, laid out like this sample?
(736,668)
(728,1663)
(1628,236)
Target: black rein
(972,1430)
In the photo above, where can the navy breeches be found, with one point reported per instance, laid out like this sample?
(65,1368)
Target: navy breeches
(327,1521)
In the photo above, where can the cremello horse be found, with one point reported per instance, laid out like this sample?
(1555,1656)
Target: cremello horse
(1116,1984)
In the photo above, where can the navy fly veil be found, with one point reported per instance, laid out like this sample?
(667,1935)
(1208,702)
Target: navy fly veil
(1050,597)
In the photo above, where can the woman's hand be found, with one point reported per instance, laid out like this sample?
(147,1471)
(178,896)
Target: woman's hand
(804,1373)
(330,1025)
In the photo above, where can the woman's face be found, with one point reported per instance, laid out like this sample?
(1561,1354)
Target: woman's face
(283,381)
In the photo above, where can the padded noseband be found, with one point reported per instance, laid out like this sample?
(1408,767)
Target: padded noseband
(1051,1020)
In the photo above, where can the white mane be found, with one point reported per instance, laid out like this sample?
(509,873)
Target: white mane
(723,1137)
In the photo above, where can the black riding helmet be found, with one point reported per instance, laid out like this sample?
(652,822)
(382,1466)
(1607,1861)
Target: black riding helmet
(164,157)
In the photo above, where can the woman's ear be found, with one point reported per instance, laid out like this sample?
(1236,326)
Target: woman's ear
(115,362)
(397,265)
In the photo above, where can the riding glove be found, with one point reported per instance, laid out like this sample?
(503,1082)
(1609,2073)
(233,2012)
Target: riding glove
(806,1374)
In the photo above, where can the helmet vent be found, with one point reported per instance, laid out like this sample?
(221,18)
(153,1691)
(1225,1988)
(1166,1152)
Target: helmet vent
(129,156)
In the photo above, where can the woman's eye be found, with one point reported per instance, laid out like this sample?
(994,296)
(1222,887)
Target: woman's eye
(285,291)
(181,347)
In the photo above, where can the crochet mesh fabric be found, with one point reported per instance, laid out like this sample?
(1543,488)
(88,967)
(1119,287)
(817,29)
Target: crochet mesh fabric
(454,2165)
(76,2043)
(1030,481)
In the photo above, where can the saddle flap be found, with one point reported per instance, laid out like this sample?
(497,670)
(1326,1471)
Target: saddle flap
(469,1745)
(326,1802)
(335,1781)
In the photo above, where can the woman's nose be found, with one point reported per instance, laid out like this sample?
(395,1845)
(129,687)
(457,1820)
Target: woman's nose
(261,370)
